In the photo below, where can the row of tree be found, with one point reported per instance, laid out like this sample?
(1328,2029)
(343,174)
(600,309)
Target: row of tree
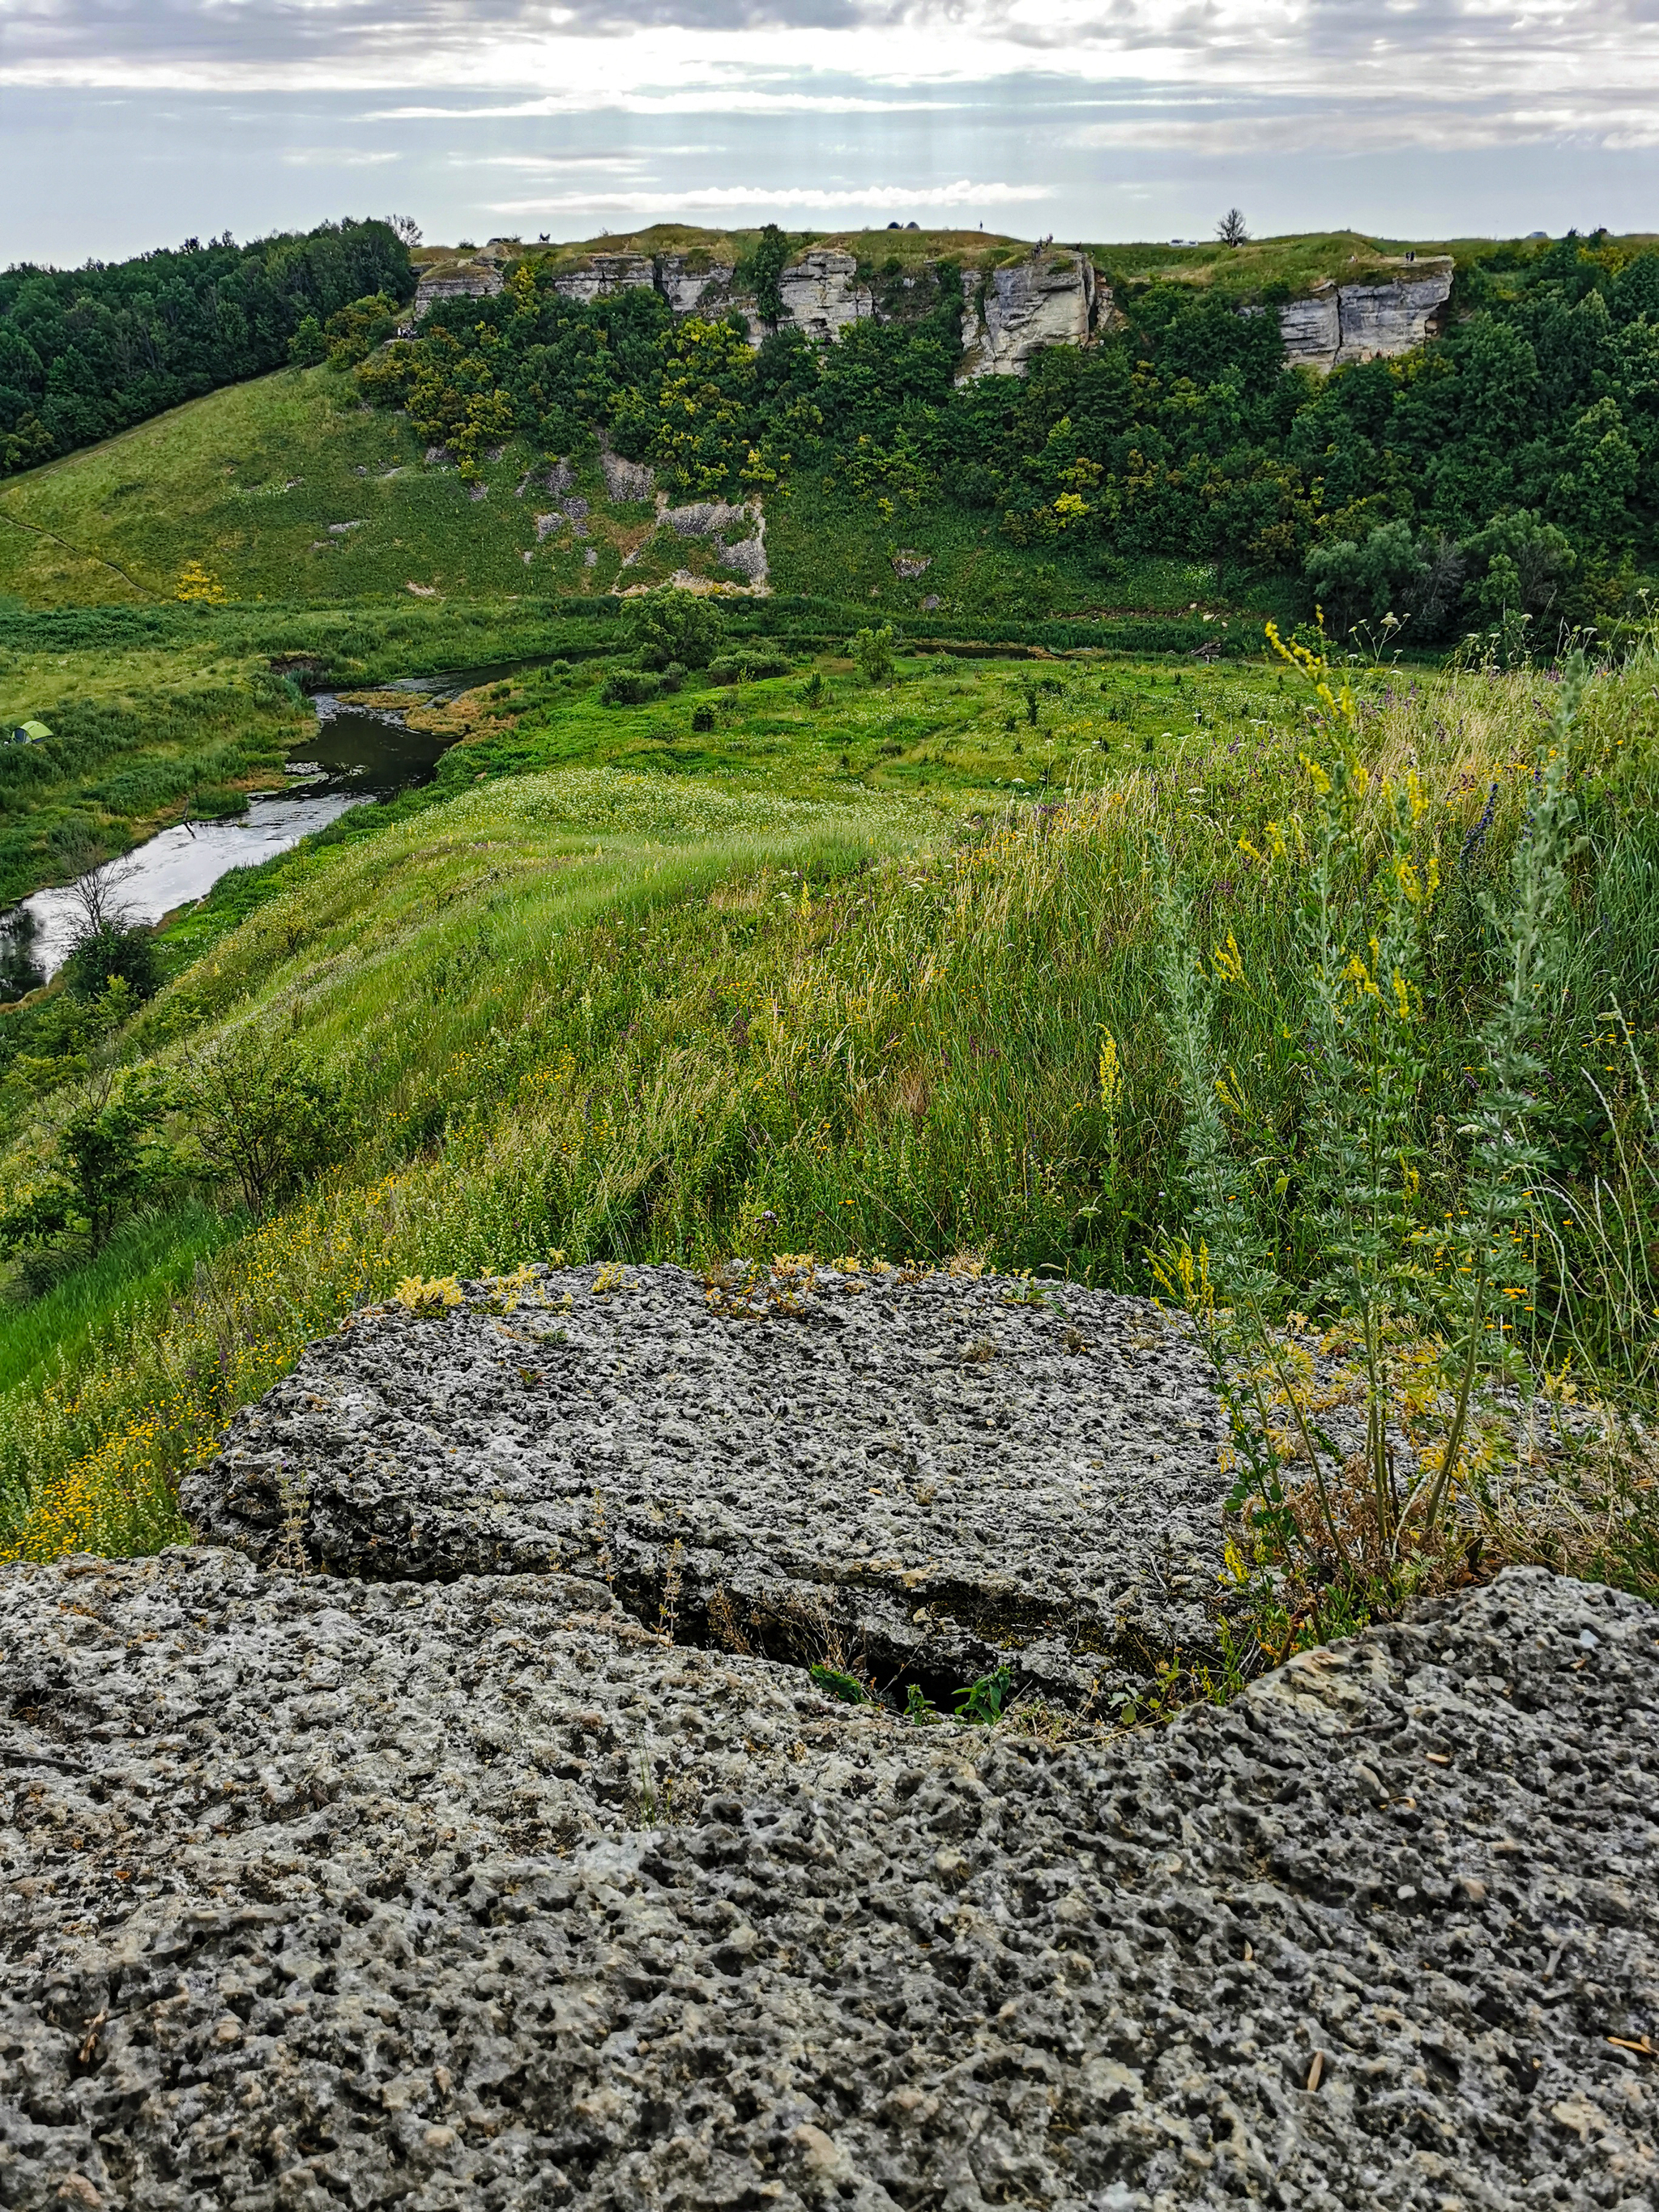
(1512,463)
(87,352)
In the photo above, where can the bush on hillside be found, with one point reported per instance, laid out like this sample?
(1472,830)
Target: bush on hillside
(109,950)
(675,625)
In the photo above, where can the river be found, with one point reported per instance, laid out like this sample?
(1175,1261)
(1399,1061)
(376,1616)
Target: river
(357,756)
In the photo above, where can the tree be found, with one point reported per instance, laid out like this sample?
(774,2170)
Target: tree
(1520,564)
(767,265)
(1369,579)
(670,625)
(872,649)
(406,227)
(307,348)
(107,1159)
(261,1118)
(1231,229)
(104,942)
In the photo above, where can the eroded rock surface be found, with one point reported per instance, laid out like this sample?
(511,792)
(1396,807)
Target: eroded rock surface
(1358,322)
(821,293)
(1052,298)
(921,1480)
(476,1895)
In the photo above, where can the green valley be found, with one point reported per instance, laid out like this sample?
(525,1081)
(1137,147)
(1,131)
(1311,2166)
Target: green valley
(1155,816)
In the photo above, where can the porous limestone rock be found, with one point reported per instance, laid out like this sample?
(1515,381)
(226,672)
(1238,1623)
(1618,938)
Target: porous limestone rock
(1052,297)
(625,479)
(920,1480)
(475,1895)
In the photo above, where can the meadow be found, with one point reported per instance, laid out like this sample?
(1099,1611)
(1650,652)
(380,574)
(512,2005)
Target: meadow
(907,971)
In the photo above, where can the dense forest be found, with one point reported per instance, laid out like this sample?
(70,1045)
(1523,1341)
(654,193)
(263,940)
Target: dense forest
(1508,468)
(87,352)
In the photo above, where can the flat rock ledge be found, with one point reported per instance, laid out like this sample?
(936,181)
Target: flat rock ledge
(475,1894)
(918,1479)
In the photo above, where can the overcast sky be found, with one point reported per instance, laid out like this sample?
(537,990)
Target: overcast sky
(126,124)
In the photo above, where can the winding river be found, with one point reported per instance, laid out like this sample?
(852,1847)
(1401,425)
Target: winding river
(359,755)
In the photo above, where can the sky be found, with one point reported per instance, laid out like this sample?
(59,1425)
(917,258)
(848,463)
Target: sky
(129,124)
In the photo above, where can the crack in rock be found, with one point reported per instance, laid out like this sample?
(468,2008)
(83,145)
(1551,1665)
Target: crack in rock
(918,1481)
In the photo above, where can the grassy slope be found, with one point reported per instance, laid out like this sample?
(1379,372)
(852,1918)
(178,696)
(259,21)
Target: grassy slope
(657,994)
(249,481)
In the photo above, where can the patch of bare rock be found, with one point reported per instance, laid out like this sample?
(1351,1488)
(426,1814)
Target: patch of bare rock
(920,1480)
(321,1892)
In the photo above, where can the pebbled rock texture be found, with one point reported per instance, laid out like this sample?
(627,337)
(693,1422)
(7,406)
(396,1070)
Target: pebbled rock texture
(918,1480)
(321,1893)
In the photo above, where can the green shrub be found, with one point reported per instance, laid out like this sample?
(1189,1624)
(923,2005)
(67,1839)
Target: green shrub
(872,649)
(672,625)
(746,667)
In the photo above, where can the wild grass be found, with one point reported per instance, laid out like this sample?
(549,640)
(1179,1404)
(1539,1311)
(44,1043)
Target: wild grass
(633,1016)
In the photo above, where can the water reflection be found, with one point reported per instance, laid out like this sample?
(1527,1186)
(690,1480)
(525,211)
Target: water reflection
(358,755)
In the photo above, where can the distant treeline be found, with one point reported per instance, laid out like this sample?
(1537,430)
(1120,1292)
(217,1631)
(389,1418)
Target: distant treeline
(1508,468)
(87,352)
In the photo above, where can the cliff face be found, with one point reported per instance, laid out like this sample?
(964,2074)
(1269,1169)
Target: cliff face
(1051,299)
(465,280)
(1054,297)
(1341,323)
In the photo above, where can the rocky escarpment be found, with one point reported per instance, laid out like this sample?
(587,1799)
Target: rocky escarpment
(1051,298)
(1341,323)
(321,1892)
(916,1481)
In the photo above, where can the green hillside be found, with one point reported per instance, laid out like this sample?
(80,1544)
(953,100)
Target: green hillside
(1074,931)
(290,489)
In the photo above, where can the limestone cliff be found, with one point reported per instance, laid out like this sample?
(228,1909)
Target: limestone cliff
(456,280)
(1340,323)
(1051,298)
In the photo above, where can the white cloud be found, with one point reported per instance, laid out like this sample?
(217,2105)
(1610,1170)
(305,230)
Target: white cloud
(883,199)
(334,157)
(698,53)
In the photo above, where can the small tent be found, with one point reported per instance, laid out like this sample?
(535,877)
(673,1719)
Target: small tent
(30,733)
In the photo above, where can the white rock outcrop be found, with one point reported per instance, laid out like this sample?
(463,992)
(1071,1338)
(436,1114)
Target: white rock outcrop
(1340,323)
(606,273)
(1052,297)
(821,294)
(687,288)
(477,280)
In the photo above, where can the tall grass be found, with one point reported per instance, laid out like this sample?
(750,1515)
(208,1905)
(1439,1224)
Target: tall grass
(568,1018)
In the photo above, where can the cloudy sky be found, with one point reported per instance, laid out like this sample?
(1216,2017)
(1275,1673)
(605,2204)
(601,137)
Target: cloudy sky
(126,124)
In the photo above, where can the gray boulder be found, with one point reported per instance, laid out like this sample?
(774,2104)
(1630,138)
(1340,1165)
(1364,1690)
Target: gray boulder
(918,1481)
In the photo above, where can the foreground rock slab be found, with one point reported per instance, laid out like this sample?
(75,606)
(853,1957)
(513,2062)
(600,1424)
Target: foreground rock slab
(917,1480)
(475,1895)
